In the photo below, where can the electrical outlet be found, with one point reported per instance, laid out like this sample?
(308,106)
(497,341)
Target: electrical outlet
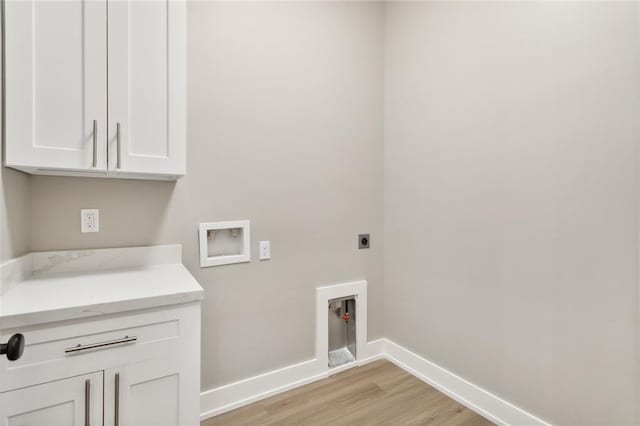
(265,250)
(89,220)
(364,241)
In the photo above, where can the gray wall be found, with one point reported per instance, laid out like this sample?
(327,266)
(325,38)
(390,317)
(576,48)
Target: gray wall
(14,214)
(511,199)
(284,129)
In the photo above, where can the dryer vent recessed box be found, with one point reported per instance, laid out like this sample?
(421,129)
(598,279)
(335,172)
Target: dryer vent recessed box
(223,243)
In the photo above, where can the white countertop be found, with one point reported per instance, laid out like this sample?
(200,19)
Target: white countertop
(68,285)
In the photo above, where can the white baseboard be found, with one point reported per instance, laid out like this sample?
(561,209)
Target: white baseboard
(466,393)
(374,350)
(235,395)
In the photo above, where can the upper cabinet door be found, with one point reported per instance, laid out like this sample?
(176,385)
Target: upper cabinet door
(56,77)
(147,87)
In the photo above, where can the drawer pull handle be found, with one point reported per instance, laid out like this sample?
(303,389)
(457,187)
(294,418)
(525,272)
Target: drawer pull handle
(80,348)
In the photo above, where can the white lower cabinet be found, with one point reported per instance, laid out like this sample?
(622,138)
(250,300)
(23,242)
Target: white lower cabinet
(74,401)
(135,369)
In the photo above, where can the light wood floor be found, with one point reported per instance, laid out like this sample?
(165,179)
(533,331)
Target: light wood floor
(375,394)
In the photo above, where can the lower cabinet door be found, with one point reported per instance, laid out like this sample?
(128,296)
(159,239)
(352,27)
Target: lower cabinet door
(158,392)
(76,401)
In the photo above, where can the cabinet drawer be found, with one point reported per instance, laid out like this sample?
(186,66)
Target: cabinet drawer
(76,347)
(89,344)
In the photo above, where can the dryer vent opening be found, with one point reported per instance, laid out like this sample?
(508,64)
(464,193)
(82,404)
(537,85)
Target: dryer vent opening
(342,331)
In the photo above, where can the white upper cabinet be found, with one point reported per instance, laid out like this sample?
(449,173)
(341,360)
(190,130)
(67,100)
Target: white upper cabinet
(96,89)
(147,86)
(56,75)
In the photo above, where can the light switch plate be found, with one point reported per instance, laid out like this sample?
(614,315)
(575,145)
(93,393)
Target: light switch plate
(89,220)
(265,250)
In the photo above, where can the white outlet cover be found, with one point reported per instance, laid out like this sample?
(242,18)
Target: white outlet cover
(89,220)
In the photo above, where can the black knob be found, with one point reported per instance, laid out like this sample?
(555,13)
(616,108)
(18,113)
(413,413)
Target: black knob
(13,348)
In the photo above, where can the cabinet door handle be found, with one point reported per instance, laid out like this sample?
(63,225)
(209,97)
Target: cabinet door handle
(95,143)
(80,348)
(116,413)
(87,402)
(118,145)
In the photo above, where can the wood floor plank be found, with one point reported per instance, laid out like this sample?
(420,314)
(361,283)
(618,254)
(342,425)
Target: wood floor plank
(379,393)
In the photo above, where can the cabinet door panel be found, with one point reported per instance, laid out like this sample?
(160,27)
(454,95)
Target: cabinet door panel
(144,395)
(147,86)
(56,79)
(59,403)
(160,392)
